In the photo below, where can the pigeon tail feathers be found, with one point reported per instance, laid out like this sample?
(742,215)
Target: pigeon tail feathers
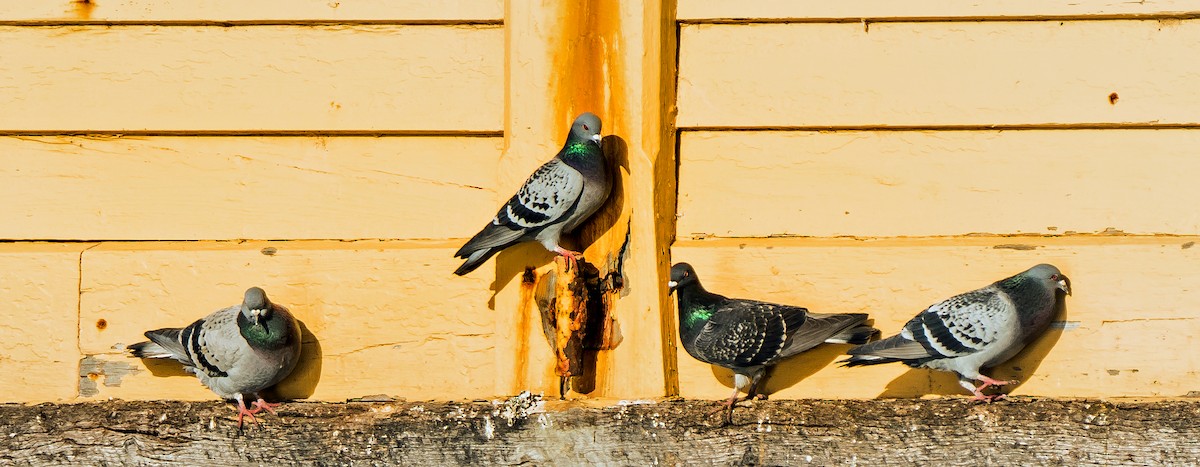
(856,335)
(164,343)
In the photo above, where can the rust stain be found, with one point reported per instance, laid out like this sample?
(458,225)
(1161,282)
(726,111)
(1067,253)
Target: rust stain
(83,8)
(1112,98)
(524,309)
(101,324)
(570,314)
(590,77)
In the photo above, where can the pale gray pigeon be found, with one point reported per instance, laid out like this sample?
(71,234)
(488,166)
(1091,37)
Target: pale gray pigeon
(747,336)
(556,199)
(239,350)
(975,330)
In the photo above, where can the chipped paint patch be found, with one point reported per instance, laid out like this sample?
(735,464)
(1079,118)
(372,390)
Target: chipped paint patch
(92,369)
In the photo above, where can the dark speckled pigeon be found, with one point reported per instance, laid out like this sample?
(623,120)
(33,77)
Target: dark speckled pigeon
(556,199)
(748,336)
(975,330)
(239,350)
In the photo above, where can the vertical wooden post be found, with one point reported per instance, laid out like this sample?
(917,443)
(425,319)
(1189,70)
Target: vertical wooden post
(614,58)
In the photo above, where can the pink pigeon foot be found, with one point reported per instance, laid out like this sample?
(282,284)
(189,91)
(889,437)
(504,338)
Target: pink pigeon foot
(242,412)
(572,256)
(261,405)
(989,382)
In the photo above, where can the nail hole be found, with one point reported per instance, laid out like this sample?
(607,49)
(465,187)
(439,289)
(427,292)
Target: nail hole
(101,324)
(1112,98)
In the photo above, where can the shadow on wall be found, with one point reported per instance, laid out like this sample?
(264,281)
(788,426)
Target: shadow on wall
(302,383)
(512,262)
(920,382)
(791,371)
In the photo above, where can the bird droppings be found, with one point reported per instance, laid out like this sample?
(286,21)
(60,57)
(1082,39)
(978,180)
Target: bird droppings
(1112,98)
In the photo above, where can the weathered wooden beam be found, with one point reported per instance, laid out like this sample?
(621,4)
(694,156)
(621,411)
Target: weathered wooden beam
(818,432)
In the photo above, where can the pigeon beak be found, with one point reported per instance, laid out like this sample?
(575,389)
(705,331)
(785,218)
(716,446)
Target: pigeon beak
(1065,285)
(596,138)
(671,286)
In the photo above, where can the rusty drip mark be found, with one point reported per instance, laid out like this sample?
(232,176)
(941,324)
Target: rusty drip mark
(521,370)
(1112,98)
(83,8)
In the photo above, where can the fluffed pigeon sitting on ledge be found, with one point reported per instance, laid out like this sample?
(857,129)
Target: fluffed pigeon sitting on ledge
(239,350)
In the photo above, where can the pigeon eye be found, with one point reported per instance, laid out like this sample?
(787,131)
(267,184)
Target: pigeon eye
(1054,277)
(586,128)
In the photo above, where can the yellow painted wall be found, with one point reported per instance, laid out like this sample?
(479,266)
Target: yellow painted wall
(157,158)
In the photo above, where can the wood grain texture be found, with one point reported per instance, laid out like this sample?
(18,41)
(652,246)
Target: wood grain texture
(700,10)
(39,290)
(233,10)
(880,184)
(381,317)
(217,188)
(937,432)
(434,78)
(1134,306)
(970,73)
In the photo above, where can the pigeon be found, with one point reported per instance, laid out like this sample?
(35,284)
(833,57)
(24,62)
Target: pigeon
(556,199)
(748,336)
(236,351)
(974,330)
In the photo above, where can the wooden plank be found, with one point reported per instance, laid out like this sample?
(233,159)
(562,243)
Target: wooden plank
(161,188)
(379,315)
(39,288)
(707,10)
(976,73)
(862,183)
(233,10)
(1121,322)
(431,78)
(508,432)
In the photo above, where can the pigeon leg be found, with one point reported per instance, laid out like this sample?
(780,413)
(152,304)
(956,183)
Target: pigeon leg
(242,411)
(727,406)
(572,256)
(261,405)
(988,382)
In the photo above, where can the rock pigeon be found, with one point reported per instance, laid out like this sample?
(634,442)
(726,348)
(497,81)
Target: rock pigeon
(747,336)
(978,329)
(239,350)
(555,199)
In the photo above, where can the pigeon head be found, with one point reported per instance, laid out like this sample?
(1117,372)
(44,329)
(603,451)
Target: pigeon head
(256,306)
(586,128)
(1051,276)
(682,275)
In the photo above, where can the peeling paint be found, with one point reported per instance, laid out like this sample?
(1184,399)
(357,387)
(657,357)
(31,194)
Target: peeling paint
(1016,246)
(91,369)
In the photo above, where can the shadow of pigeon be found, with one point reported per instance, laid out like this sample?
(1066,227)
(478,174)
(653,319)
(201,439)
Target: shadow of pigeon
(302,383)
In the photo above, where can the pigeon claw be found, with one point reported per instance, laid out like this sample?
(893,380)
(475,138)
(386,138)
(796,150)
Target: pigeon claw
(243,411)
(261,405)
(572,257)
